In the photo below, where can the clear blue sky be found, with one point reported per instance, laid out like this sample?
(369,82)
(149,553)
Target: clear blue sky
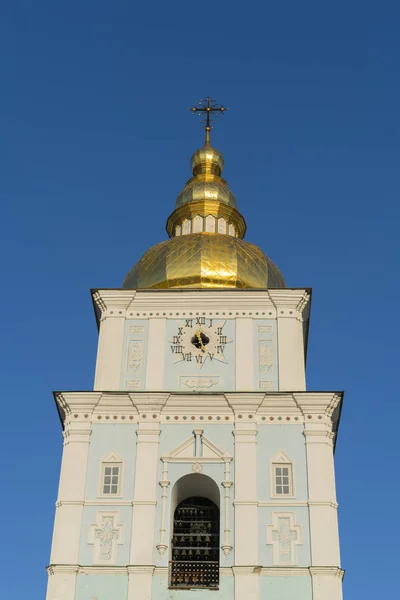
(95,141)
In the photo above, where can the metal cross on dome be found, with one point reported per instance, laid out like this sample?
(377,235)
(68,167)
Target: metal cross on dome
(208,108)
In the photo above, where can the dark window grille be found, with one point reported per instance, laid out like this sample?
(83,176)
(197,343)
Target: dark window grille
(195,545)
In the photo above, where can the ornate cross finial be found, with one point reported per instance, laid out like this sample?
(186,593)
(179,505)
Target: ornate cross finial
(208,108)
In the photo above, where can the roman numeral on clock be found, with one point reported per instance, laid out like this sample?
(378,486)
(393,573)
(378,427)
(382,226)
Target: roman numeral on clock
(177,349)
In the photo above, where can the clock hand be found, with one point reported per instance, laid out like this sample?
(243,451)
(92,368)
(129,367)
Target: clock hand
(202,346)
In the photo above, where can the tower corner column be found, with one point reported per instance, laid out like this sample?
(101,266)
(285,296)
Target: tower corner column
(64,558)
(141,566)
(246,505)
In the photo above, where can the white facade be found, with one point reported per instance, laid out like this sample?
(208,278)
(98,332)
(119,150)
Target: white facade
(223,423)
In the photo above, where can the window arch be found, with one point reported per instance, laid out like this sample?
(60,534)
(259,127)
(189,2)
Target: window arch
(195,544)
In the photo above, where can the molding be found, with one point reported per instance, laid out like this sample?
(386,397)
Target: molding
(99,570)
(224,571)
(333,505)
(281,457)
(111,457)
(285,502)
(324,571)
(189,451)
(272,571)
(60,503)
(282,502)
(285,572)
(132,569)
(53,569)
(104,501)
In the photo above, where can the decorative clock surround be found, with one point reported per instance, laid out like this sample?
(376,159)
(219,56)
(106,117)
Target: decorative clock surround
(200,354)
(198,340)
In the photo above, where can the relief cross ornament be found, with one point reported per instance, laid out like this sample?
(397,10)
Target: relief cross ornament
(105,534)
(284,536)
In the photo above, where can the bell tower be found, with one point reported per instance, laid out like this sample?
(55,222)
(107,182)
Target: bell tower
(200,463)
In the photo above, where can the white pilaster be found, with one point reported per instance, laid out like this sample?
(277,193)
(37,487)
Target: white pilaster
(327,583)
(111,306)
(246,505)
(244,354)
(71,493)
(246,583)
(292,368)
(322,498)
(140,581)
(61,582)
(318,409)
(111,342)
(144,507)
(156,354)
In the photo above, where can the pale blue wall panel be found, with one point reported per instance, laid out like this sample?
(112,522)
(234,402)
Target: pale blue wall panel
(104,439)
(101,587)
(160,590)
(285,588)
(265,517)
(291,440)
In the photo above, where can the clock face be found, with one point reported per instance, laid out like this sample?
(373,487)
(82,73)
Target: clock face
(199,340)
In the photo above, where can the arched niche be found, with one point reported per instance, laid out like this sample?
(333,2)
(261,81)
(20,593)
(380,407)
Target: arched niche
(194,484)
(195,530)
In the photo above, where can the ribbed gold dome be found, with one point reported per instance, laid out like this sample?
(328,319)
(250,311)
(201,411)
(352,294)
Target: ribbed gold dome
(204,260)
(206,249)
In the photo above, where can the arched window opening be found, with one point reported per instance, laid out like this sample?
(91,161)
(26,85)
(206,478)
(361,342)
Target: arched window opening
(195,544)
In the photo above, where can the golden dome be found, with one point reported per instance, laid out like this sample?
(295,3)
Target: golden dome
(207,160)
(204,260)
(207,164)
(206,249)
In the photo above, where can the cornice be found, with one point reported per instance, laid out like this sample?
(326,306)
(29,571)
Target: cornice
(268,303)
(317,412)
